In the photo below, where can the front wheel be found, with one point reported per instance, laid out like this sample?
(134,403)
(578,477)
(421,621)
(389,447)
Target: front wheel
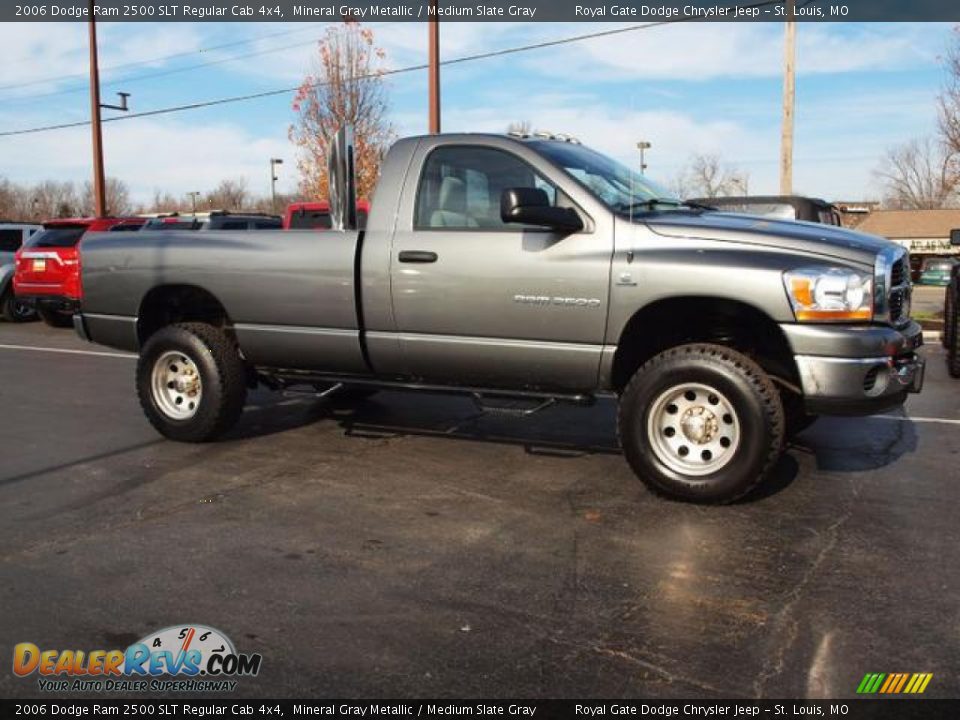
(701,423)
(191,382)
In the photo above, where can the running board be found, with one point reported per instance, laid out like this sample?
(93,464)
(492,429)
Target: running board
(283,380)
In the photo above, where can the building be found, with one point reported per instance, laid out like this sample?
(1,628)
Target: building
(922,232)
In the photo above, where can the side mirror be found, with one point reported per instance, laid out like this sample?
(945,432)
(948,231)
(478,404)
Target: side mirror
(955,236)
(531,206)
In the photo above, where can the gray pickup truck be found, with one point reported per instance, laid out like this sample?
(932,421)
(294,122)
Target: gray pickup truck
(523,270)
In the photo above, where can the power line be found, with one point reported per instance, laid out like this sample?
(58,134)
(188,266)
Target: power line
(385,73)
(162,73)
(162,58)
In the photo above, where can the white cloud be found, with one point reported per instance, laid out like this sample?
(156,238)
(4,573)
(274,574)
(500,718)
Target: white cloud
(176,155)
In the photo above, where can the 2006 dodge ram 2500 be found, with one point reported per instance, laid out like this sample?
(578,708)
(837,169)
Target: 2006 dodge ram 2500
(531,268)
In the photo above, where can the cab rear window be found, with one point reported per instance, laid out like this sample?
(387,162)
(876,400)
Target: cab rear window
(310,220)
(58,237)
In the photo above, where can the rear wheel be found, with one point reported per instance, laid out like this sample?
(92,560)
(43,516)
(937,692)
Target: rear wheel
(949,315)
(702,423)
(191,382)
(55,318)
(15,310)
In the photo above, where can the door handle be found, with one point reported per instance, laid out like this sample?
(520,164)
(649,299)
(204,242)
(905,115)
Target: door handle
(417,256)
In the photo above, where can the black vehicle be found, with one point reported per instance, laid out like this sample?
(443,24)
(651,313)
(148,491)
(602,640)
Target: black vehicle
(217,220)
(782,207)
(951,316)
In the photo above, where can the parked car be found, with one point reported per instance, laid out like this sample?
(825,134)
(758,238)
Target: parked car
(533,269)
(47,277)
(936,270)
(784,207)
(316,215)
(12,237)
(216,220)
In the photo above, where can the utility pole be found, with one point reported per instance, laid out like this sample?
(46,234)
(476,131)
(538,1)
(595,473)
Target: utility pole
(99,182)
(643,146)
(99,179)
(434,63)
(273,182)
(789,94)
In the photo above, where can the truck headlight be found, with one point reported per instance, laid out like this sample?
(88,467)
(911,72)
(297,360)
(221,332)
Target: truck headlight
(829,294)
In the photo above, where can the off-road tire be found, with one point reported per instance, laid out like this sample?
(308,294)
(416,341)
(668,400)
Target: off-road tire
(953,347)
(795,415)
(223,380)
(10,308)
(949,315)
(55,318)
(750,392)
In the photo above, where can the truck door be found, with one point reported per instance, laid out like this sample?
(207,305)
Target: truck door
(479,301)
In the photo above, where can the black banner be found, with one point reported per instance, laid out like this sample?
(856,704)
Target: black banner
(484,11)
(877,709)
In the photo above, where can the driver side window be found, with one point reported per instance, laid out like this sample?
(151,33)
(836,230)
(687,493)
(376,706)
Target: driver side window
(460,188)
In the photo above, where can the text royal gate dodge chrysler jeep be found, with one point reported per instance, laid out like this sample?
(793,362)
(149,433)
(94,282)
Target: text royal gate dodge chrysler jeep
(524,267)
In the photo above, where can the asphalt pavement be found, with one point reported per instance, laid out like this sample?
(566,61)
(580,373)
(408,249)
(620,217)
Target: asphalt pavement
(409,547)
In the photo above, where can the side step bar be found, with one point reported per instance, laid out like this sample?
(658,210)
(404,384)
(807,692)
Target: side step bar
(492,400)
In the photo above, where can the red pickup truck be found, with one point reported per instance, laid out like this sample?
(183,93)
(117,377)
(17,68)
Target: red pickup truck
(47,272)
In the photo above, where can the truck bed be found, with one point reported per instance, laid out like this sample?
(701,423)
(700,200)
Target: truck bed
(289,295)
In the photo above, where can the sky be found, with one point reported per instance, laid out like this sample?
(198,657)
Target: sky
(686,88)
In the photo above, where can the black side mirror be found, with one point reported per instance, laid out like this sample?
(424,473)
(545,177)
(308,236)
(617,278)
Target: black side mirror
(955,236)
(531,206)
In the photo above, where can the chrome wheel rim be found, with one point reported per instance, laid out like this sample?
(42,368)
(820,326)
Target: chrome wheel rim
(176,385)
(693,429)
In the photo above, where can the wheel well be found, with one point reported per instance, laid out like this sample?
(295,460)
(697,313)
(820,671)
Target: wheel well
(677,321)
(170,304)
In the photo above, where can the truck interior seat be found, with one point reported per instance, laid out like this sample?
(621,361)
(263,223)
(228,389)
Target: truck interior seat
(453,205)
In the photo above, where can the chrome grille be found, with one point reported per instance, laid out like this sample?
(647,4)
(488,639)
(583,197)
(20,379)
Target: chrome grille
(892,286)
(898,273)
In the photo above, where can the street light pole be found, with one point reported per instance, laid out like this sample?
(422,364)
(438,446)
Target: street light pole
(434,66)
(273,182)
(642,146)
(193,197)
(99,181)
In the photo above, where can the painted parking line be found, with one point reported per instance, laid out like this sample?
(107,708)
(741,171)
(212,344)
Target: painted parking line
(911,418)
(97,353)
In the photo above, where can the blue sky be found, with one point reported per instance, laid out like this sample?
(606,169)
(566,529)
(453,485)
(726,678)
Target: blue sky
(687,88)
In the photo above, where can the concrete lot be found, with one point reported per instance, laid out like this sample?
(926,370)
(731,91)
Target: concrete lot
(409,548)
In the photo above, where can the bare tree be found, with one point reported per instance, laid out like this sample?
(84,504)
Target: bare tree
(918,176)
(228,195)
(948,110)
(54,199)
(117,200)
(708,176)
(345,88)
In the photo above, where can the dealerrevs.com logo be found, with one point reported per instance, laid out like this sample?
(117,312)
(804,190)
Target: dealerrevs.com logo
(188,658)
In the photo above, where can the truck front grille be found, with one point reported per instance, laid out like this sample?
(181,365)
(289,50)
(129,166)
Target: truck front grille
(898,273)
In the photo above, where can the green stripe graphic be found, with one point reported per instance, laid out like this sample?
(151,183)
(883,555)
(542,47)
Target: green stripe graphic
(876,685)
(862,688)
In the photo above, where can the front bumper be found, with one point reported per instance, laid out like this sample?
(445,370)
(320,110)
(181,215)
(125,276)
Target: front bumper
(857,370)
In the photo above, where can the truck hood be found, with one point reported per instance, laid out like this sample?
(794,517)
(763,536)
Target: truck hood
(755,230)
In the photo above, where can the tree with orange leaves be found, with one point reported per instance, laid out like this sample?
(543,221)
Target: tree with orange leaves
(345,88)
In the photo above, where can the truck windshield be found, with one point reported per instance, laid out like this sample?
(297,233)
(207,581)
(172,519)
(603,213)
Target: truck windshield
(624,191)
